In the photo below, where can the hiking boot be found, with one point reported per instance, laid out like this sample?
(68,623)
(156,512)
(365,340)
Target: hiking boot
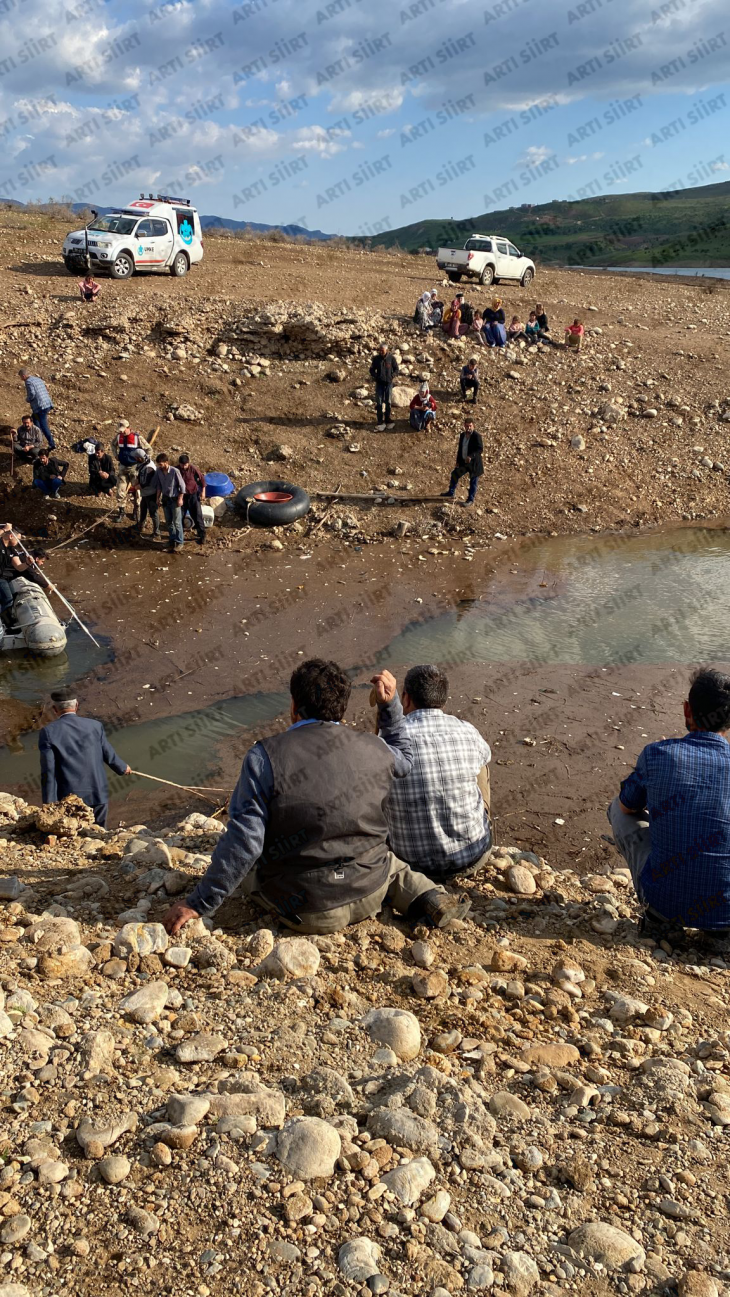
(447,495)
(437,908)
(178,549)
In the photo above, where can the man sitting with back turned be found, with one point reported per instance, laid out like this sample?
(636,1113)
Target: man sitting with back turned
(439,812)
(307,834)
(671,820)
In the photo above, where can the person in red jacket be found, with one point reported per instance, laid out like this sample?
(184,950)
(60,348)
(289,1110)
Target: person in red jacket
(423,409)
(193,498)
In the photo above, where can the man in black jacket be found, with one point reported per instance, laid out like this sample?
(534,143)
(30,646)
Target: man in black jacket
(468,460)
(102,478)
(193,498)
(48,474)
(383,369)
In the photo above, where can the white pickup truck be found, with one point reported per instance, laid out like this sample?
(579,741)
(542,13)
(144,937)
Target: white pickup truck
(156,234)
(488,258)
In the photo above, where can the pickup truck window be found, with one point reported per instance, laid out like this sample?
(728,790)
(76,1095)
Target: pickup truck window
(502,247)
(513,251)
(478,245)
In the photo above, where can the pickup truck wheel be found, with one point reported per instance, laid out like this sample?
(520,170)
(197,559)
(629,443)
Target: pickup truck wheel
(455,276)
(487,275)
(527,278)
(179,266)
(122,267)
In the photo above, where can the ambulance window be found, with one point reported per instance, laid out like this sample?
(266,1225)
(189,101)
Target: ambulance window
(144,229)
(502,247)
(159,228)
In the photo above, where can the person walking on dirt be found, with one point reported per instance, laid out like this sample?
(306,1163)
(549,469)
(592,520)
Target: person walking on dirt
(469,460)
(307,835)
(171,493)
(39,400)
(74,750)
(383,369)
(146,490)
(194,492)
(130,449)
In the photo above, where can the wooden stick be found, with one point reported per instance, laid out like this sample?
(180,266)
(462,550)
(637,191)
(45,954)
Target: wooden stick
(79,534)
(187,788)
(325,515)
(154,434)
(381,497)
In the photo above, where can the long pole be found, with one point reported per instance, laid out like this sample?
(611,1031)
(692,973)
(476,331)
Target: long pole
(56,590)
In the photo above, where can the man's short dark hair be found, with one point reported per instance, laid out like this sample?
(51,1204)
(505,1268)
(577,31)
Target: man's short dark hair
(38,553)
(709,699)
(320,690)
(426,686)
(183,459)
(163,457)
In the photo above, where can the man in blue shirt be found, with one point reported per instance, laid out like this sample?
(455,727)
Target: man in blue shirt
(39,400)
(671,820)
(307,834)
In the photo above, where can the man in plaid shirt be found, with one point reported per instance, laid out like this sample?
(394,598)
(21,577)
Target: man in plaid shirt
(671,819)
(438,814)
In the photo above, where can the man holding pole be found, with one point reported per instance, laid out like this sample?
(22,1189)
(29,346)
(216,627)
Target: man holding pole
(74,751)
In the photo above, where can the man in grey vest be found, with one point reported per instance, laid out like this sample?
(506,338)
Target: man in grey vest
(307,835)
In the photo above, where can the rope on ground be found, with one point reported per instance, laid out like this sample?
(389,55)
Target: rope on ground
(196,789)
(79,534)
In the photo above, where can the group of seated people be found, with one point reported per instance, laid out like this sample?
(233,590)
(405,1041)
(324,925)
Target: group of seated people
(489,328)
(29,448)
(328,823)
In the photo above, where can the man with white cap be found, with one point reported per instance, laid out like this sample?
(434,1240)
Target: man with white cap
(74,750)
(130,449)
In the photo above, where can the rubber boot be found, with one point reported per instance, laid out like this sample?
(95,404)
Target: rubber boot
(437,908)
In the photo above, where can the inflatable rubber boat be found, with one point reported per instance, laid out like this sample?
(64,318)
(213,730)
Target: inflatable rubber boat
(40,632)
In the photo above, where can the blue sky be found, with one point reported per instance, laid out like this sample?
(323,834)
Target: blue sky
(354,116)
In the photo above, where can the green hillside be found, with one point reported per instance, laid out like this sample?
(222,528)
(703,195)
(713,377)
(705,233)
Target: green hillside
(686,227)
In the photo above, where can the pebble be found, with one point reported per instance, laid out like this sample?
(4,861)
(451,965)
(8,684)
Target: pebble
(146,1004)
(396,1028)
(308,1148)
(520,880)
(358,1259)
(409,1182)
(695,1283)
(435,1208)
(430,985)
(15,1229)
(187,1109)
(599,1241)
(114,1169)
(423,954)
(504,1104)
(291,957)
(520,1273)
(200,1048)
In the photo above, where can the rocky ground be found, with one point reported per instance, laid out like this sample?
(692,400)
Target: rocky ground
(257,364)
(530,1102)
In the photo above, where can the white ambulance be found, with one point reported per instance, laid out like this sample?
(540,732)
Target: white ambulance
(161,233)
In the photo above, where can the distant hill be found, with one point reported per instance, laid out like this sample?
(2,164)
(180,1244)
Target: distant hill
(685,227)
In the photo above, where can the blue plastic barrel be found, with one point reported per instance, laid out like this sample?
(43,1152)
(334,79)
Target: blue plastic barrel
(218,484)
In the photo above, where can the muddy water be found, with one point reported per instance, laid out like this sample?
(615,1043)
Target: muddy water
(619,600)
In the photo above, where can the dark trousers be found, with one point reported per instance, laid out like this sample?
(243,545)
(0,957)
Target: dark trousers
(49,487)
(192,504)
(148,507)
(382,399)
(40,418)
(466,384)
(100,814)
(460,471)
(6,595)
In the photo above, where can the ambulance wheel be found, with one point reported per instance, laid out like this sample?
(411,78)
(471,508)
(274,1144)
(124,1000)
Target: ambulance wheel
(122,267)
(527,278)
(180,265)
(455,277)
(272,504)
(487,275)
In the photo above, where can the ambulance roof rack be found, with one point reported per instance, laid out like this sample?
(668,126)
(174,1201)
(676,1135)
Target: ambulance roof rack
(166,198)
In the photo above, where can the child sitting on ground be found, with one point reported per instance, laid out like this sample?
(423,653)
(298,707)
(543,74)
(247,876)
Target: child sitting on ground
(532,329)
(574,335)
(515,329)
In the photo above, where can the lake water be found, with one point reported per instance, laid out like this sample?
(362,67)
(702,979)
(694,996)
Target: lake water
(702,272)
(658,598)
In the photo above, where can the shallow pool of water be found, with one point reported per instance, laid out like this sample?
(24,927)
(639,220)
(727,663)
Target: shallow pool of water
(611,600)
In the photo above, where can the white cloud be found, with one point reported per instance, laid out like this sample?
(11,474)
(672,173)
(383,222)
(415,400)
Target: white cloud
(534,155)
(582,157)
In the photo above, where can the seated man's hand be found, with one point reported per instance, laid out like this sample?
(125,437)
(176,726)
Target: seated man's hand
(177,916)
(128,771)
(385,687)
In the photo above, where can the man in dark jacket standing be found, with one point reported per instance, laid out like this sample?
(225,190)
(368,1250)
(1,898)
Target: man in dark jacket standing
(383,369)
(307,834)
(193,498)
(74,750)
(468,460)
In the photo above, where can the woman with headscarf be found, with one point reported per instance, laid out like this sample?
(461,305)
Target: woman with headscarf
(454,321)
(495,331)
(423,408)
(422,316)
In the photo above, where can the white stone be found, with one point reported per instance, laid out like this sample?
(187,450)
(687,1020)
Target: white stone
(520,1272)
(613,1247)
(146,1004)
(177,956)
(308,1148)
(396,1028)
(291,957)
(114,1168)
(142,938)
(187,1109)
(358,1259)
(409,1182)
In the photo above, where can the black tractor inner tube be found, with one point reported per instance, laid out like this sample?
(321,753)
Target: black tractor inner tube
(272,504)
